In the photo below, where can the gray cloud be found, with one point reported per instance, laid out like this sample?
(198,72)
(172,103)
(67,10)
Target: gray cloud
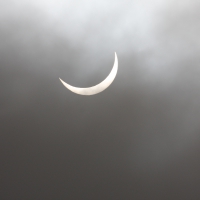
(139,139)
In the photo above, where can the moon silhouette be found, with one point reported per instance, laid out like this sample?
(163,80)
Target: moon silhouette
(97,88)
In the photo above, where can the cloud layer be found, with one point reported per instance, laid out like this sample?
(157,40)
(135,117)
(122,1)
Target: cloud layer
(139,139)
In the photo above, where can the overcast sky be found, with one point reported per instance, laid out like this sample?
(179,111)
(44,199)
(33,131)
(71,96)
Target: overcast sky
(139,139)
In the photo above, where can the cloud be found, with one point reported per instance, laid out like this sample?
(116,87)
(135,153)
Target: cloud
(139,132)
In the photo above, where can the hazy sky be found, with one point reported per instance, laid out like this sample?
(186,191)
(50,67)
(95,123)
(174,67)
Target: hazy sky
(139,139)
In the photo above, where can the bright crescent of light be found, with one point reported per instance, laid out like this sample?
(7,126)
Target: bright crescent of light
(97,88)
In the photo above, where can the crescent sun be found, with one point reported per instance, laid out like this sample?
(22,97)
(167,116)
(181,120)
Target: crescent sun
(97,88)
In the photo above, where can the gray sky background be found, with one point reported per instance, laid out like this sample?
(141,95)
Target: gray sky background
(139,139)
